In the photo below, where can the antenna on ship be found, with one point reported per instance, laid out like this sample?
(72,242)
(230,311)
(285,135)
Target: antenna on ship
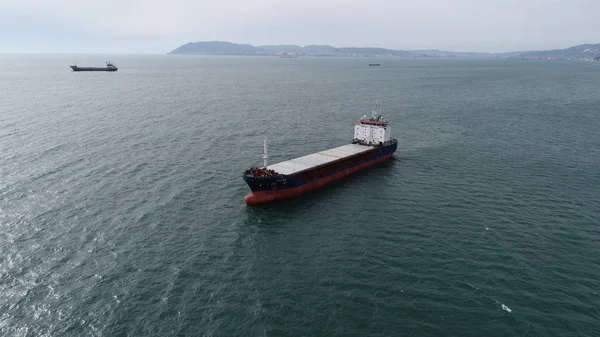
(376,108)
(265,155)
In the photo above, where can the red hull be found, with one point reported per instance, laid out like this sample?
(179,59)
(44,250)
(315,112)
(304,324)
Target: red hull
(263,197)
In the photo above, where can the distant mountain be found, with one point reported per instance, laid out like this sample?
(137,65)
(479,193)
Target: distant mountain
(215,48)
(319,49)
(580,52)
(228,48)
(283,47)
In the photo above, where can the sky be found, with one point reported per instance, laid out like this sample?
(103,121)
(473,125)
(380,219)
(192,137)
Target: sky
(159,26)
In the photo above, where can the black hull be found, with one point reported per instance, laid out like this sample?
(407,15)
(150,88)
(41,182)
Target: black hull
(75,68)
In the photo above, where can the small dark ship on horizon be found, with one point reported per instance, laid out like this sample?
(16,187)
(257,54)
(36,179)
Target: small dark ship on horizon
(109,67)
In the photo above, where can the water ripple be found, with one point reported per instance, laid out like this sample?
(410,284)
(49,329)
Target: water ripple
(125,216)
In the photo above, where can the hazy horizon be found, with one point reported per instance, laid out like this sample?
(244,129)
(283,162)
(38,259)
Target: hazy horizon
(156,27)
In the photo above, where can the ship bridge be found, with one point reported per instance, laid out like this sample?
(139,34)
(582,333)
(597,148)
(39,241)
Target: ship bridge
(374,130)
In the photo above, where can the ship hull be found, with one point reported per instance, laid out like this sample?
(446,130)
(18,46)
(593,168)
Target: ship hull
(302,183)
(75,68)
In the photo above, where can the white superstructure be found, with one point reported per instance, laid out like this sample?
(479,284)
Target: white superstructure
(374,130)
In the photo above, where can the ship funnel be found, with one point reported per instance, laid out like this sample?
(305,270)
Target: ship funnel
(265,155)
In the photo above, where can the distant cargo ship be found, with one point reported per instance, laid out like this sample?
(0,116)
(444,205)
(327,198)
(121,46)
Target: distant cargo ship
(374,64)
(372,144)
(109,67)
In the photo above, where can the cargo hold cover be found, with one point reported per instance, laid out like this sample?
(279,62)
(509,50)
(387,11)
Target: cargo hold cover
(319,158)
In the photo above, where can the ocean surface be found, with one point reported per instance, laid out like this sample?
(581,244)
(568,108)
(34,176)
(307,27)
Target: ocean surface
(122,212)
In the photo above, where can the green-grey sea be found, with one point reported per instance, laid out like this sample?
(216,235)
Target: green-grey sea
(122,200)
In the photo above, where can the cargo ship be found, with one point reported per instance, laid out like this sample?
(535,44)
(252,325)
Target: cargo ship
(109,67)
(372,144)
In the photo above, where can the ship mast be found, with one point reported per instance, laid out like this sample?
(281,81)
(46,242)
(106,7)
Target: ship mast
(265,155)
(376,108)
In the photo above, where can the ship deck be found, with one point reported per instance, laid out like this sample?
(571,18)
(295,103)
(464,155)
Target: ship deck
(319,158)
